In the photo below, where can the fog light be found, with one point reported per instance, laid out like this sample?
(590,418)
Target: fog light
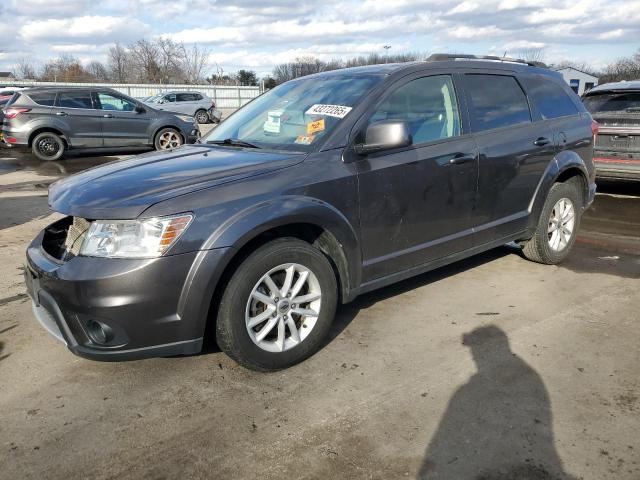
(99,332)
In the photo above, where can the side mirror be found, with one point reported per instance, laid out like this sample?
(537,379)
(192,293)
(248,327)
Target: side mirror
(140,109)
(384,135)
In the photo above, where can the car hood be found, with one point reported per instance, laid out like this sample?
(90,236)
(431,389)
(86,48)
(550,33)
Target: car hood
(125,189)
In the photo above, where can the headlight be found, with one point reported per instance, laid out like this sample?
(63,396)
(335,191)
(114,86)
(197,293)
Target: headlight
(133,238)
(186,118)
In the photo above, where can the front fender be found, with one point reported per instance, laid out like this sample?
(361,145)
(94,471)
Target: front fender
(224,243)
(247,224)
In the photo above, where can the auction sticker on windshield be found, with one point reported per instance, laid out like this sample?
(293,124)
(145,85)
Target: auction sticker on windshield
(338,111)
(315,127)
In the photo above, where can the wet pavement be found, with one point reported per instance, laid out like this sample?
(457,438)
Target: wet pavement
(493,367)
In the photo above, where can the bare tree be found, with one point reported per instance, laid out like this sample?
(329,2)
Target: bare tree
(195,63)
(98,71)
(145,58)
(25,69)
(118,61)
(627,68)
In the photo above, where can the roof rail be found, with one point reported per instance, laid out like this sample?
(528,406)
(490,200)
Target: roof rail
(439,57)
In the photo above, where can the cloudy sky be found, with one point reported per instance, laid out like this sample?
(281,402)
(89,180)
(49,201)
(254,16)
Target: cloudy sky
(256,34)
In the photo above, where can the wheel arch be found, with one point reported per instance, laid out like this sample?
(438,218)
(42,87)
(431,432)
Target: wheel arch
(37,131)
(312,221)
(567,166)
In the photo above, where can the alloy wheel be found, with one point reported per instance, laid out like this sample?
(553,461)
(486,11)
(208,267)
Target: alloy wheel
(283,307)
(169,140)
(561,224)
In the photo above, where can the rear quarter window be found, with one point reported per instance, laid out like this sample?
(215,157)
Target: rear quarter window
(46,99)
(495,101)
(550,99)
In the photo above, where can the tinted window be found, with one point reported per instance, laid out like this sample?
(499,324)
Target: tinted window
(550,99)
(46,98)
(170,98)
(613,102)
(110,102)
(496,101)
(197,96)
(185,97)
(74,100)
(428,105)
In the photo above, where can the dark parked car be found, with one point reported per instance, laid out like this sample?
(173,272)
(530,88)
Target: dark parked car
(51,121)
(323,188)
(616,108)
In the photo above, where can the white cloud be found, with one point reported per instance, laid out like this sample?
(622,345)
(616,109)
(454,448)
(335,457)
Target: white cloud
(98,29)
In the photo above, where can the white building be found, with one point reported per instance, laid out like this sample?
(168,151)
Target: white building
(578,80)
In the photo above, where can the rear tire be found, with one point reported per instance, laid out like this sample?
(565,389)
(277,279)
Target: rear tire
(558,225)
(202,117)
(266,330)
(48,146)
(167,139)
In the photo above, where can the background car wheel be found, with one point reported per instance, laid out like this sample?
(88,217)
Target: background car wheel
(168,138)
(48,146)
(558,225)
(278,306)
(202,117)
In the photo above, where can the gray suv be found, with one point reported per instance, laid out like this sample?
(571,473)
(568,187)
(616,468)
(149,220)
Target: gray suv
(321,189)
(51,121)
(191,103)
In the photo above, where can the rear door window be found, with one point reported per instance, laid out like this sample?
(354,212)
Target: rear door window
(185,97)
(46,99)
(549,98)
(74,100)
(495,101)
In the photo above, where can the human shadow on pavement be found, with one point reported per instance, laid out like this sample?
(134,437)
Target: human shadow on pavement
(497,426)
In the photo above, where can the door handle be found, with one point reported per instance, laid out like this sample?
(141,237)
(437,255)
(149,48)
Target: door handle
(62,114)
(460,159)
(107,115)
(541,142)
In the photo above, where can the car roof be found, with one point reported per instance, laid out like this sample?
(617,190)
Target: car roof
(179,91)
(408,67)
(633,85)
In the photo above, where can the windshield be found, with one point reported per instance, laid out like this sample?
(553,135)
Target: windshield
(613,102)
(295,115)
(154,98)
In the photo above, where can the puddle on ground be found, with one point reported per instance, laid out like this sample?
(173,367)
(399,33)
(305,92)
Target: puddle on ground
(13,161)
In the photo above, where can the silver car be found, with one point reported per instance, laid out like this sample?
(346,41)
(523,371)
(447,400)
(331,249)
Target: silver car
(191,103)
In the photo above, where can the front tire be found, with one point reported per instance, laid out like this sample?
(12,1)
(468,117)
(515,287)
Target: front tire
(48,146)
(168,139)
(278,306)
(558,225)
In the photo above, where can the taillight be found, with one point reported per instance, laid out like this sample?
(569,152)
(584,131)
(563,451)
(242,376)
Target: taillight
(14,112)
(213,104)
(595,128)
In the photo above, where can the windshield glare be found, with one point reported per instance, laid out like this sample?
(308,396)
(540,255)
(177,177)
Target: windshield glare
(296,115)
(612,102)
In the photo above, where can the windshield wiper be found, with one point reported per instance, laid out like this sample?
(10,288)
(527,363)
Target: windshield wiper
(234,142)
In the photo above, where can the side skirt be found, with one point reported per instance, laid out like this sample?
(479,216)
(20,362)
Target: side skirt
(425,267)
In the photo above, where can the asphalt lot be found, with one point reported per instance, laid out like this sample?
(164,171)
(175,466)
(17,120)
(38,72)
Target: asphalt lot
(491,368)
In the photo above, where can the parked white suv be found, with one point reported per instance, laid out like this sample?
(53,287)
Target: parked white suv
(191,103)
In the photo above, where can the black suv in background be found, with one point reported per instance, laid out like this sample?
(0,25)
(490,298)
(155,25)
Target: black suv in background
(51,121)
(321,189)
(616,108)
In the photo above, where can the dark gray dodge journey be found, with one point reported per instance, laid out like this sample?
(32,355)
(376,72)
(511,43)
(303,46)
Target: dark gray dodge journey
(321,189)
